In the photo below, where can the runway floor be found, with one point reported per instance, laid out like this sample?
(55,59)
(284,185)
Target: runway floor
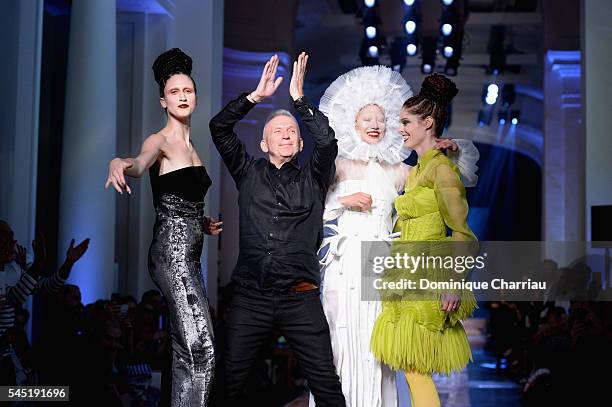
(480,385)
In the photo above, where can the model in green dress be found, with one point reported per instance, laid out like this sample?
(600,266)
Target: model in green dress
(422,337)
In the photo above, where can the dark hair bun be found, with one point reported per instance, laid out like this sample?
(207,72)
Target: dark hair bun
(439,89)
(172,62)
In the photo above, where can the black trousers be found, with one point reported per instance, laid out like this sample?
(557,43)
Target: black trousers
(299,317)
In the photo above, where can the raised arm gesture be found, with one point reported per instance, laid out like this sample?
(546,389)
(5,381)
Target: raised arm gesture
(296,87)
(268,83)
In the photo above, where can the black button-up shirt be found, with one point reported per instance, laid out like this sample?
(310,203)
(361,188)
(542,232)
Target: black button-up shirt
(281,209)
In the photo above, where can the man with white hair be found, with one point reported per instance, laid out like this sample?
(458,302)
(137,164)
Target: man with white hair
(281,209)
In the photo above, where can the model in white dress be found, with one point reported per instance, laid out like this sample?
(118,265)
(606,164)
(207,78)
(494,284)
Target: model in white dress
(363,109)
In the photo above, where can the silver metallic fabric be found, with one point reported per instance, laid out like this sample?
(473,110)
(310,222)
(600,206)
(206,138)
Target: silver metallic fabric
(174,264)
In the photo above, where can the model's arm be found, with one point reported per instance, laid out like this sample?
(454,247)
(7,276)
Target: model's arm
(134,167)
(452,202)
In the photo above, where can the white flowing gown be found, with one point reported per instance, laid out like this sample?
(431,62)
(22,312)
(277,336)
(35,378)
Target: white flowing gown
(365,382)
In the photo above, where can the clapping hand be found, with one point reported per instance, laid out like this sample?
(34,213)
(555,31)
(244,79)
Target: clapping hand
(268,83)
(20,257)
(74,253)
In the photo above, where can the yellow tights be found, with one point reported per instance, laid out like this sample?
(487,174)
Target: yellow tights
(423,391)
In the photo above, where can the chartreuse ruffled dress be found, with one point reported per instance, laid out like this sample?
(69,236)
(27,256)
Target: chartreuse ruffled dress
(411,334)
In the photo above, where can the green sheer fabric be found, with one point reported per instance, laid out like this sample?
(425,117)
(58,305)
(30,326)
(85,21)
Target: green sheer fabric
(416,335)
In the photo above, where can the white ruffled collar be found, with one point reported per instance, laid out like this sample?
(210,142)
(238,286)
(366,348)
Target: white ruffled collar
(352,91)
(389,150)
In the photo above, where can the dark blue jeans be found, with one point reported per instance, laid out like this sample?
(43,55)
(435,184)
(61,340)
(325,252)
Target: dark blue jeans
(299,317)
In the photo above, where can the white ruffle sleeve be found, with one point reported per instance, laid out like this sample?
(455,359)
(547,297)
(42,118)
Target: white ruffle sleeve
(465,159)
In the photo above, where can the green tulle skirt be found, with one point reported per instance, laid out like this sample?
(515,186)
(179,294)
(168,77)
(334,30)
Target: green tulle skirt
(417,336)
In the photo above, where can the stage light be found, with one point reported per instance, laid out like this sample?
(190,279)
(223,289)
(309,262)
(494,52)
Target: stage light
(409,2)
(411,49)
(502,117)
(428,49)
(484,118)
(410,27)
(515,116)
(497,51)
(370,32)
(508,95)
(448,51)
(369,3)
(447,2)
(447,29)
(490,93)
(397,52)
(369,52)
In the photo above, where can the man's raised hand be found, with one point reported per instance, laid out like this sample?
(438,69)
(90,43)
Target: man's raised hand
(296,87)
(268,83)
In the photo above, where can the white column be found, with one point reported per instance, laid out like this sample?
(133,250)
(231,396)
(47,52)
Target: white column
(86,209)
(21,28)
(197,28)
(564,148)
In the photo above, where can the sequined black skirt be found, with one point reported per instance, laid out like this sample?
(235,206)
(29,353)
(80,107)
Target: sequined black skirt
(174,265)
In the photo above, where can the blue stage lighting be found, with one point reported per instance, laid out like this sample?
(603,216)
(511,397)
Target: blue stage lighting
(410,27)
(370,32)
(447,29)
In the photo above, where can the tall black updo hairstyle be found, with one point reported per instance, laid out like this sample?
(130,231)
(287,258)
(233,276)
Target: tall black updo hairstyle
(436,93)
(172,62)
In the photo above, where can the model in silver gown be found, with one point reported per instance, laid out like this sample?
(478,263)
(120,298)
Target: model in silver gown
(174,265)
